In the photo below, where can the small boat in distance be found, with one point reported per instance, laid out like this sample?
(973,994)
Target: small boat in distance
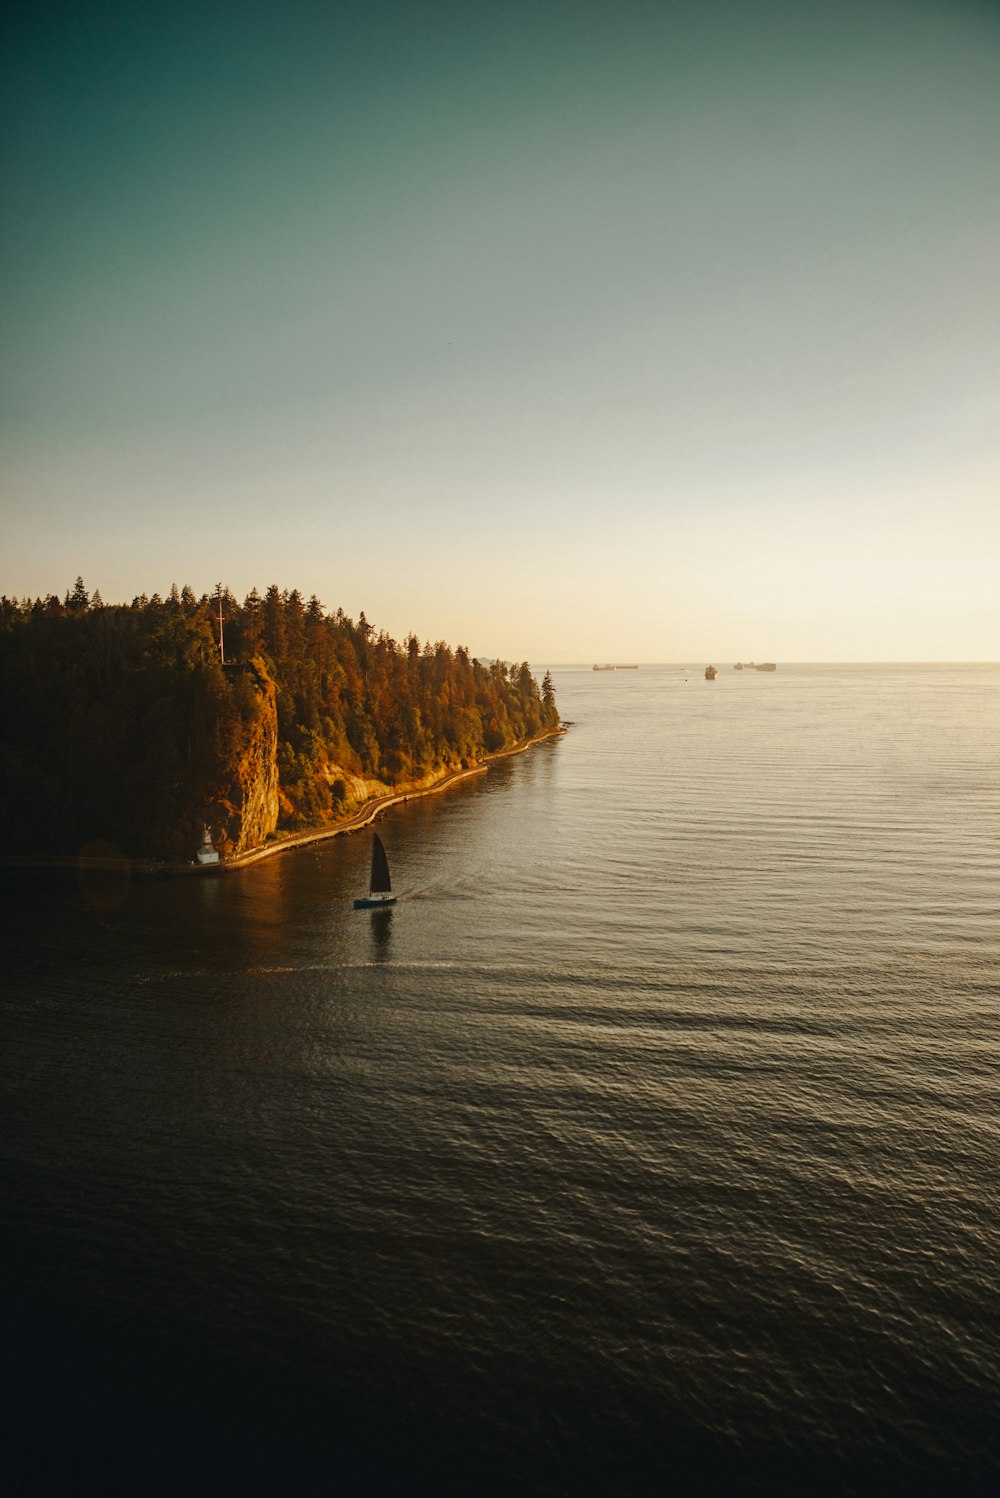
(379,883)
(710,673)
(767,666)
(614,668)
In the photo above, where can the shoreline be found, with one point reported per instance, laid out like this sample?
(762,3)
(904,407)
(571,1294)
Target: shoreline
(363,817)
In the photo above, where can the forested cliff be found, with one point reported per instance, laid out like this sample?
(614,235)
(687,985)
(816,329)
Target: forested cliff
(122,723)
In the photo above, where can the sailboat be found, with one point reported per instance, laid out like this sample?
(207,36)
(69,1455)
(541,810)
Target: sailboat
(379,885)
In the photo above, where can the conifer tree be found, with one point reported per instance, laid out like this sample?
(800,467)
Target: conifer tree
(549,700)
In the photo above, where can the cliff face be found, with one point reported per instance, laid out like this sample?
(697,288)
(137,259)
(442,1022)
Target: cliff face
(124,728)
(122,725)
(245,807)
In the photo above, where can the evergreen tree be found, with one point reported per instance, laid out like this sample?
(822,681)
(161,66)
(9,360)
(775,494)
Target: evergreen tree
(550,711)
(79,599)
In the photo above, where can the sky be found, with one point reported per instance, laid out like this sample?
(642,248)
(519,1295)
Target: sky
(569,332)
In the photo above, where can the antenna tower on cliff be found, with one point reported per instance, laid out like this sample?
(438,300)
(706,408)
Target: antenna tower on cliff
(222,643)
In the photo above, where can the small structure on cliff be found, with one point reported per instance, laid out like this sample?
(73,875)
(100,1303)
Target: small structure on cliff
(207,852)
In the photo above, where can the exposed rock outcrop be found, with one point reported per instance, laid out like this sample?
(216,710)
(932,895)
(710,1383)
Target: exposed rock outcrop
(245,809)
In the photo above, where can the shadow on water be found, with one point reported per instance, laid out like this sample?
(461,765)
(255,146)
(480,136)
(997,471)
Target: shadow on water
(381,934)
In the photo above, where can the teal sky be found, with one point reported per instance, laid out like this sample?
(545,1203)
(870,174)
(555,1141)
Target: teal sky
(567,331)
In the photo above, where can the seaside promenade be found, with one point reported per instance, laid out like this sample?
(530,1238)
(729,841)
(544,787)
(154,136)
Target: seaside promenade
(279,842)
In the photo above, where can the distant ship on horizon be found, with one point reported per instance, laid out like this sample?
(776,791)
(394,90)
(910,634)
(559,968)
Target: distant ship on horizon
(614,668)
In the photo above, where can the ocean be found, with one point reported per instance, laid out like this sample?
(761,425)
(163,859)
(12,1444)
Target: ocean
(649,1144)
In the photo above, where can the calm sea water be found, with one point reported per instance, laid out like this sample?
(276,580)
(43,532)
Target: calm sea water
(650,1143)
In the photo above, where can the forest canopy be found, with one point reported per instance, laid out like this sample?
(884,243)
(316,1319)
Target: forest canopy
(129,723)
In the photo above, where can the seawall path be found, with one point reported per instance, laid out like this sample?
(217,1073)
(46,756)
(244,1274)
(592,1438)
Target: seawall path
(281,842)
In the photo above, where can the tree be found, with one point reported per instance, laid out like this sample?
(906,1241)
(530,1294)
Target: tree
(79,599)
(551,712)
(253,624)
(274,623)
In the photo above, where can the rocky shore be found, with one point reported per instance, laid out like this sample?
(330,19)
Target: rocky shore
(97,858)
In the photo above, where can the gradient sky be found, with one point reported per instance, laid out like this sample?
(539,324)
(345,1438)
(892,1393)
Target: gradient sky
(566,331)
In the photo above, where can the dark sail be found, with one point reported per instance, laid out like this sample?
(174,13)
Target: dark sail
(380,884)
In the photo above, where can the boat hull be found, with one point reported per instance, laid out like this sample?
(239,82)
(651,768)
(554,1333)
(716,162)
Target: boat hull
(374,902)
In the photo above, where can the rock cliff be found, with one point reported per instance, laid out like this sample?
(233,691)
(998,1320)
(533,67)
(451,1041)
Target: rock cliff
(245,807)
